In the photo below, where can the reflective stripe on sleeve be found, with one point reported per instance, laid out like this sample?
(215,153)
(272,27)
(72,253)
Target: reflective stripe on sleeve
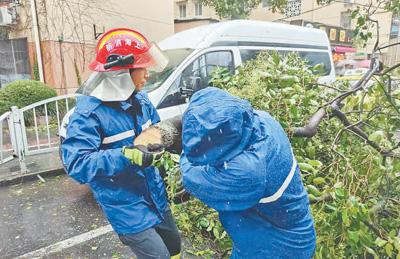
(283,187)
(146,125)
(118,137)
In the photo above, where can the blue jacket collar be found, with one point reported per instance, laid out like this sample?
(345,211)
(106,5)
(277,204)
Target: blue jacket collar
(125,105)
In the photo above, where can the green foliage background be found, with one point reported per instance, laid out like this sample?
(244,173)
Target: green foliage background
(354,190)
(21,93)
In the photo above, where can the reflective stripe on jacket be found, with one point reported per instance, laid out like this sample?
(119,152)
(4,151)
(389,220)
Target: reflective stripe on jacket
(132,199)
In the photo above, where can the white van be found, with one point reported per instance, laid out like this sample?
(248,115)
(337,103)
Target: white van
(194,53)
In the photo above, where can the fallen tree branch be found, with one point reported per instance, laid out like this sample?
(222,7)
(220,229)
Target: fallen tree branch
(331,87)
(323,198)
(360,133)
(359,85)
(389,45)
(388,96)
(379,232)
(311,128)
(387,70)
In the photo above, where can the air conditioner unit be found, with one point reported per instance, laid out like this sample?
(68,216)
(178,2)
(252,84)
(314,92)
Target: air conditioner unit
(6,17)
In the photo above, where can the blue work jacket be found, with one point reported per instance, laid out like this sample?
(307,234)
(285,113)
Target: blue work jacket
(133,199)
(240,162)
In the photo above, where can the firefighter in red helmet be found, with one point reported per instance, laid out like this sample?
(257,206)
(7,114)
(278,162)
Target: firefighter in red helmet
(98,146)
(126,42)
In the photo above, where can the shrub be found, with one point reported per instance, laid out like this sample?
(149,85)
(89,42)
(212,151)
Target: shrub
(21,93)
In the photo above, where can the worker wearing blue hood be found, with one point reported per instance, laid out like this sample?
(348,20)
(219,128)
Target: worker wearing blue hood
(239,161)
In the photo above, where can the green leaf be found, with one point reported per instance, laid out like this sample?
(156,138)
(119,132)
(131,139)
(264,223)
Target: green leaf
(354,14)
(330,207)
(312,197)
(315,163)
(204,222)
(310,151)
(313,190)
(345,218)
(175,158)
(380,242)
(396,243)
(338,185)
(290,79)
(223,234)
(216,232)
(339,192)
(210,227)
(396,165)
(318,180)
(376,136)
(389,249)
(356,31)
(314,103)
(276,58)
(307,167)
(372,252)
(353,235)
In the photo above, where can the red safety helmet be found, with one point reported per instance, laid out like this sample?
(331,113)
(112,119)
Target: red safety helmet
(121,42)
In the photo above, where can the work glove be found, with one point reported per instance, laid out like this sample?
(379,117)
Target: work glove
(143,156)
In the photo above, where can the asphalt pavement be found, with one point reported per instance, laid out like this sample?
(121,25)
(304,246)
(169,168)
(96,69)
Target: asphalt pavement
(55,218)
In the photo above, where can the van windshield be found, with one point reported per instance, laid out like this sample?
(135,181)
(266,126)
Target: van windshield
(175,57)
(312,57)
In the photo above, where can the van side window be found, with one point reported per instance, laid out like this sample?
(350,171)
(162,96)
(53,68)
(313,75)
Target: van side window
(313,57)
(249,54)
(201,69)
(197,75)
(173,96)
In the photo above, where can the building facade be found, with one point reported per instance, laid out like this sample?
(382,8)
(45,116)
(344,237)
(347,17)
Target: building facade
(334,18)
(191,13)
(69,30)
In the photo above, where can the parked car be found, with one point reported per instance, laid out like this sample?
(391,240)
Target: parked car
(354,75)
(355,72)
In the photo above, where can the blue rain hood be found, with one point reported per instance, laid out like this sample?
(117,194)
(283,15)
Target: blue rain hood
(247,173)
(223,130)
(217,129)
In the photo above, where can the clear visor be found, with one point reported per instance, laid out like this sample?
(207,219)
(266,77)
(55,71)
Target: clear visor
(160,60)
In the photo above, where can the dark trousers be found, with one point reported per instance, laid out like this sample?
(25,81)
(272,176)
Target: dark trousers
(161,242)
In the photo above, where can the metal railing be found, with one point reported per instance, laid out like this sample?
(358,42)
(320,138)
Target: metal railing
(7,146)
(32,129)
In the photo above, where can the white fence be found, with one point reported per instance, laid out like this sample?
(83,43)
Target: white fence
(32,129)
(7,144)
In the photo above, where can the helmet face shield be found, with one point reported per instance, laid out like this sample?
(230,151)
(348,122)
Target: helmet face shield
(158,57)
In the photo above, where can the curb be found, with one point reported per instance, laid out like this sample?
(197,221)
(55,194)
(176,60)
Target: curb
(17,179)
